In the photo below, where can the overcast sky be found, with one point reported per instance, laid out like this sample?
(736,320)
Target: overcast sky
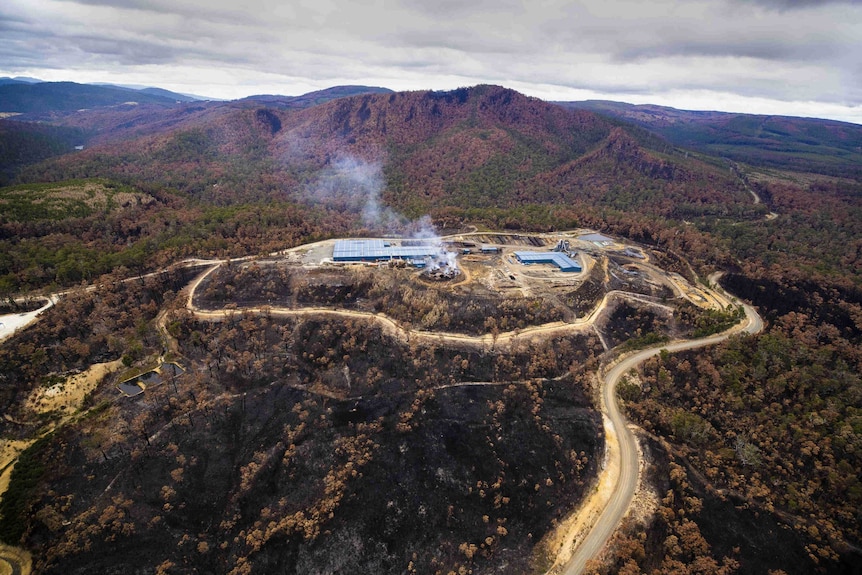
(795,57)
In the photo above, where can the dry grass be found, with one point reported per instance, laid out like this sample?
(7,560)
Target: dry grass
(804,179)
(67,396)
(10,449)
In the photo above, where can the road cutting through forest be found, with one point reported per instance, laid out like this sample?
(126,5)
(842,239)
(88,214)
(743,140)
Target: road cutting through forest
(14,561)
(623,449)
(604,509)
(393,328)
(602,512)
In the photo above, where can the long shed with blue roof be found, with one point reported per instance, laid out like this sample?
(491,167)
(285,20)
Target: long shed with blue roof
(561,260)
(380,250)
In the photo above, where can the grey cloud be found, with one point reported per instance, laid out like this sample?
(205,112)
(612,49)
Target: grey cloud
(11,21)
(764,48)
(795,4)
(757,49)
(124,51)
(208,11)
(710,29)
(452,8)
(126,4)
(457,42)
(142,39)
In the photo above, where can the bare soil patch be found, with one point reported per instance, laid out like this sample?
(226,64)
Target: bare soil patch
(67,396)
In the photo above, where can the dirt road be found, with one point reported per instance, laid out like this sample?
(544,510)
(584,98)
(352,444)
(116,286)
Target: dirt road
(620,472)
(623,463)
(14,561)
(391,327)
(619,478)
(11,323)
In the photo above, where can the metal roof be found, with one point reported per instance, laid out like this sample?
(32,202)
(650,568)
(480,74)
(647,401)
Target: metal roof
(560,260)
(370,250)
(598,238)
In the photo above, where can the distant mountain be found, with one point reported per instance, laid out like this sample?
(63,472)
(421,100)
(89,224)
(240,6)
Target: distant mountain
(155,92)
(485,147)
(113,123)
(175,95)
(314,98)
(19,80)
(157,111)
(49,97)
(802,144)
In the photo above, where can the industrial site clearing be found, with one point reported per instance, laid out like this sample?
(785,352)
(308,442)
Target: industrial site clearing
(480,284)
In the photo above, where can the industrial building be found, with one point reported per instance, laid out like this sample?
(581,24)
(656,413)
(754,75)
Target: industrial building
(381,250)
(561,260)
(597,239)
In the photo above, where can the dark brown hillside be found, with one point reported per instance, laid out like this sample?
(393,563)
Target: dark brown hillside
(123,122)
(312,98)
(490,146)
(408,119)
(802,144)
(484,147)
(623,173)
(264,461)
(220,155)
(129,122)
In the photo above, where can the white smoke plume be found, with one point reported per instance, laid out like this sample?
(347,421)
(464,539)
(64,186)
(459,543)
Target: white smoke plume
(357,185)
(423,229)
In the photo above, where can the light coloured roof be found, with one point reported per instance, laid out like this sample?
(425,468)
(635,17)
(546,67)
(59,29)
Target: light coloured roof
(595,238)
(559,259)
(379,250)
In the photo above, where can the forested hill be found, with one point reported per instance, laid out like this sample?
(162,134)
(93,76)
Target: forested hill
(25,143)
(47,97)
(313,98)
(802,144)
(485,147)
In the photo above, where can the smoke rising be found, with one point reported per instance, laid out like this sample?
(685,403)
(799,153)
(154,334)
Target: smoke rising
(444,261)
(353,184)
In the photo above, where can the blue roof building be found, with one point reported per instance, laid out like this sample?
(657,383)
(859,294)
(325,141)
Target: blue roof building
(561,260)
(379,250)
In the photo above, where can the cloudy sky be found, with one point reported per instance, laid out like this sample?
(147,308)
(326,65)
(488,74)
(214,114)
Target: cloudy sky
(795,57)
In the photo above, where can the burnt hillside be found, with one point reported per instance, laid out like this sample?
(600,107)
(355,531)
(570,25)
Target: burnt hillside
(484,146)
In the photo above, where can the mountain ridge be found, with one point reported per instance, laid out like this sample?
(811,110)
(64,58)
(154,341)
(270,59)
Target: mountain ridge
(47,97)
(485,146)
(766,427)
(804,144)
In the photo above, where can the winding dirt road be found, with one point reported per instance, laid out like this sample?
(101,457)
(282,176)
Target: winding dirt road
(11,323)
(622,462)
(734,167)
(14,561)
(622,455)
(502,340)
